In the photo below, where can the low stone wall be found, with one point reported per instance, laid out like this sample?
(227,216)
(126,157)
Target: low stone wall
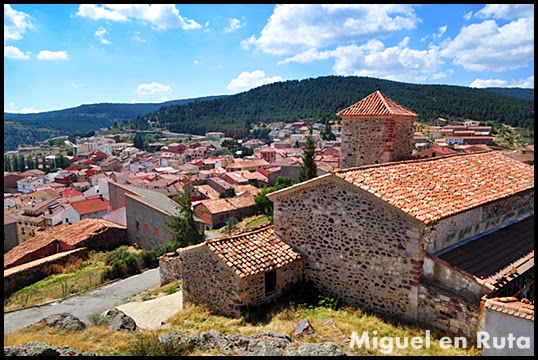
(169,268)
(20,276)
(449,312)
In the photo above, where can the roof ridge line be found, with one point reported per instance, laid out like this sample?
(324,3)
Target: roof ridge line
(247,231)
(410,161)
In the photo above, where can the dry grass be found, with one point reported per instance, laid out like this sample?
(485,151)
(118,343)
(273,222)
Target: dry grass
(74,277)
(94,338)
(331,324)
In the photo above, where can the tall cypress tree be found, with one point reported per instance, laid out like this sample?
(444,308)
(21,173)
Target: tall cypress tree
(182,226)
(309,170)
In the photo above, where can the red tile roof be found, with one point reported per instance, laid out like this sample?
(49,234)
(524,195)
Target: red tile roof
(71,235)
(374,105)
(435,188)
(253,251)
(91,205)
(511,306)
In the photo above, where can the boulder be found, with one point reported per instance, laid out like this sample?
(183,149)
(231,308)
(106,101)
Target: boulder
(303,328)
(36,348)
(64,321)
(117,320)
(308,349)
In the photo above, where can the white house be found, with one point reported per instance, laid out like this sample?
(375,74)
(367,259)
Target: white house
(27,184)
(91,208)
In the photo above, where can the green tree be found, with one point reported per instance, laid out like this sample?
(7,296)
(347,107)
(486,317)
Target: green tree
(227,194)
(309,169)
(231,224)
(7,163)
(138,142)
(263,204)
(22,164)
(182,226)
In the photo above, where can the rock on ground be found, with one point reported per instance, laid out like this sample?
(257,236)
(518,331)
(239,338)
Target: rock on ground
(64,321)
(36,348)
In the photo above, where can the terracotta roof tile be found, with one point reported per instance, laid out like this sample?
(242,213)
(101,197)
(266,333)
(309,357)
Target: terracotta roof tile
(91,205)
(376,104)
(511,306)
(68,234)
(253,251)
(435,188)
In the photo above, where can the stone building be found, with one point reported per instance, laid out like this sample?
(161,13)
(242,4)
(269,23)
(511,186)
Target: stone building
(232,273)
(376,130)
(421,240)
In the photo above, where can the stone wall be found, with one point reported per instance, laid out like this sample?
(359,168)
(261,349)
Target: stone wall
(169,268)
(438,271)
(252,289)
(476,221)
(375,141)
(20,276)
(449,311)
(207,280)
(357,248)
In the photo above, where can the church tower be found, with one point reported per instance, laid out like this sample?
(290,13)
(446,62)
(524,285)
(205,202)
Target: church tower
(376,130)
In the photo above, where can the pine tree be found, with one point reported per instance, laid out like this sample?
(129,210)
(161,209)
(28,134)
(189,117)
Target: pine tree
(22,164)
(309,170)
(182,226)
(138,142)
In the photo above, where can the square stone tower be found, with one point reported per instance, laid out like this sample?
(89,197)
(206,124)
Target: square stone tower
(376,130)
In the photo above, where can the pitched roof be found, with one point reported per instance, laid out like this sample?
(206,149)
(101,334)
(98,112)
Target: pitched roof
(91,205)
(69,234)
(253,251)
(432,189)
(376,104)
(495,257)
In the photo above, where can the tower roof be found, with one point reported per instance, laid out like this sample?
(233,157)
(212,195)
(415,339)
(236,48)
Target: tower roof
(375,105)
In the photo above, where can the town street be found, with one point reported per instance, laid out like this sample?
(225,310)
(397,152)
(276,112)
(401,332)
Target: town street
(87,304)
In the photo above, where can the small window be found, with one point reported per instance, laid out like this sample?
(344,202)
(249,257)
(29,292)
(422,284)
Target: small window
(270,282)
(137,225)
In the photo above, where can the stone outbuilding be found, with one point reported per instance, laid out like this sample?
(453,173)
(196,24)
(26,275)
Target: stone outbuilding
(233,273)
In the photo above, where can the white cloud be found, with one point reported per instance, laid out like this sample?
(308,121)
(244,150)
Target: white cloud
(206,27)
(52,55)
(506,11)
(15,23)
(12,52)
(100,34)
(234,25)
(153,88)
(196,62)
(163,99)
(246,80)
(294,28)
(440,33)
(399,63)
(488,47)
(483,83)
(136,37)
(161,16)
(468,15)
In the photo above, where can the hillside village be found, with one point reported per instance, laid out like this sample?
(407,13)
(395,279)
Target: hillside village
(435,229)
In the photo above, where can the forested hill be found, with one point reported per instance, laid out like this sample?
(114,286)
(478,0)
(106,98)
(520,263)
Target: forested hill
(93,116)
(29,128)
(526,94)
(320,98)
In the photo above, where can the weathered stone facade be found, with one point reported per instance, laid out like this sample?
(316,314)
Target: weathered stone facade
(207,280)
(169,268)
(375,141)
(357,248)
(449,311)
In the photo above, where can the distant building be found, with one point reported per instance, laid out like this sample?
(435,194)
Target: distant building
(440,122)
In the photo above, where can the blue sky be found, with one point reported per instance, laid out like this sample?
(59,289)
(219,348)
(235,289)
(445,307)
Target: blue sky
(61,56)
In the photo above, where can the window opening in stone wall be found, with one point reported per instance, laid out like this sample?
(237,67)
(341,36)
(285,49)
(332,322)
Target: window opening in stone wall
(270,282)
